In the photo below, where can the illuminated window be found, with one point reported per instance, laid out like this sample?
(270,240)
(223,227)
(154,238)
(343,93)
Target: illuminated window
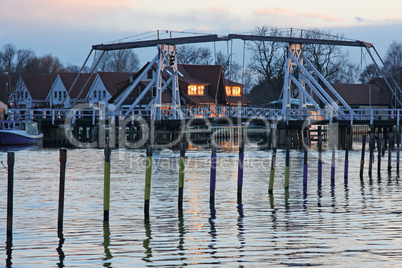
(233,91)
(195,90)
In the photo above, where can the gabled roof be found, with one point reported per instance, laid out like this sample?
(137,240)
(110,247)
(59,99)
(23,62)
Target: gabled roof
(68,80)
(208,75)
(38,85)
(112,80)
(359,94)
(236,99)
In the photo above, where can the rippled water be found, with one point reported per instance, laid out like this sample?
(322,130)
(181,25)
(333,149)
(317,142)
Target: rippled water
(353,225)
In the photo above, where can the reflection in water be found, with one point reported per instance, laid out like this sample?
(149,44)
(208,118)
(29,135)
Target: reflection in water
(240,229)
(182,232)
(212,231)
(9,250)
(106,243)
(59,249)
(273,211)
(147,241)
(363,231)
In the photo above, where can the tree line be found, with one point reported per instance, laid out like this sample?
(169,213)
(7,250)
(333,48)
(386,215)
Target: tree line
(266,65)
(20,61)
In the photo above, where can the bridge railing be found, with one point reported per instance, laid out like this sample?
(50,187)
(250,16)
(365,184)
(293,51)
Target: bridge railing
(210,112)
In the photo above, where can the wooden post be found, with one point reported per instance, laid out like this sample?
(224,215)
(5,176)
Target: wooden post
(287,163)
(272,172)
(379,149)
(182,165)
(319,161)
(305,166)
(10,196)
(398,140)
(333,161)
(212,184)
(106,183)
(148,177)
(63,161)
(363,154)
(371,145)
(346,171)
(389,153)
(240,172)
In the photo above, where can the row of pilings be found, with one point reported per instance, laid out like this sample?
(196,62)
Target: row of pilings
(204,132)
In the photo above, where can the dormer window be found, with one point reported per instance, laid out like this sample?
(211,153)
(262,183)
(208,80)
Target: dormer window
(196,90)
(233,91)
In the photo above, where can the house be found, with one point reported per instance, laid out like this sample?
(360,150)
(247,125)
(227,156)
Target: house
(202,85)
(31,90)
(58,95)
(105,85)
(199,86)
(360,96)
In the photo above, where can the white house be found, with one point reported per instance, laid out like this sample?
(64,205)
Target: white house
(31,90)
(105,85)
(65,92)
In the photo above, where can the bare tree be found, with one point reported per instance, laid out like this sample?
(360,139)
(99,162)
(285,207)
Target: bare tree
(369,73)
(7,57)
(45,64)
(393,61)
(23,57)
(119,61)
(268,60)
(191,54)
(230,68)
(330,60)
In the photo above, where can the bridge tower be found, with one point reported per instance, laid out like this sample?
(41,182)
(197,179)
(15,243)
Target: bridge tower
(167,60)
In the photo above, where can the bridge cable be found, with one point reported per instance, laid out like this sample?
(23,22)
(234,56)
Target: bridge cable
(82,68)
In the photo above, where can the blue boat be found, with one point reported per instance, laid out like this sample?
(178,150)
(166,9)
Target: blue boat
(16,132)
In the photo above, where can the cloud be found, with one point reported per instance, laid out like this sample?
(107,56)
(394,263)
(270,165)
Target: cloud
(56,12)
(319,16)
(274,11)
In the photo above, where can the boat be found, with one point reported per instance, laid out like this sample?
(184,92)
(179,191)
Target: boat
(16,132)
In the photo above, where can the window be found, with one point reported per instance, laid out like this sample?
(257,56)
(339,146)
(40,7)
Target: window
(26,94)
(195,90)
(64,94)
(55,94)
(94,93)
(150,74)
(104,94)
(233,91)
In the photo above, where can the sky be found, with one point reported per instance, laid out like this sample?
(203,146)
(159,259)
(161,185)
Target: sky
(68,28)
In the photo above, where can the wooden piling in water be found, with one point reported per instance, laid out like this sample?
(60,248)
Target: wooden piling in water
(362,155)
(287,163)
(379,150)
(305,166)
(390,142)
(212,183)
(10,196)
(333,161)
(319,161)
(371,145)
(63,161)
(240,172)
(346,170)
(148,177)
(398,141)
(273,161)
(106,183)
(182,165)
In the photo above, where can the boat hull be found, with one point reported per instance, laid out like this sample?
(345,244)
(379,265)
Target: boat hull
(12,138)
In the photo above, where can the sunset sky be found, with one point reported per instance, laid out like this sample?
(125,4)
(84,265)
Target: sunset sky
(68,29)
